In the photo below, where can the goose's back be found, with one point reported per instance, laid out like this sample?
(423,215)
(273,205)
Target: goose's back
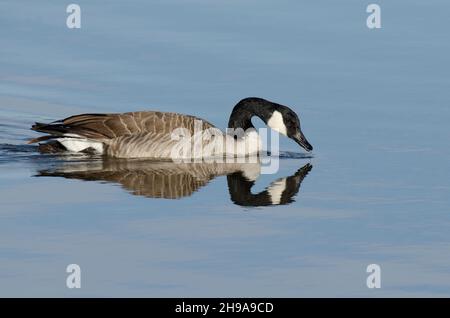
(111,126)
(129,135)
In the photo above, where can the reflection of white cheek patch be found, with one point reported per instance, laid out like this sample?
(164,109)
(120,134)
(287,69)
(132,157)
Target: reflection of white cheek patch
(276,123)
(276,190)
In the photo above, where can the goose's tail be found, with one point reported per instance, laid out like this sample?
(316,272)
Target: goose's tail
(54,131)
(63,138)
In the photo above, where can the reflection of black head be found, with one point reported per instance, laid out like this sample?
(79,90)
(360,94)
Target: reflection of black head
(240,189)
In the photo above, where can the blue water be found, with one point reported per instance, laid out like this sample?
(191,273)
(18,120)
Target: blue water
(375,104)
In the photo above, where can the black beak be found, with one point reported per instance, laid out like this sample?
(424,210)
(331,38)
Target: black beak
(301,140)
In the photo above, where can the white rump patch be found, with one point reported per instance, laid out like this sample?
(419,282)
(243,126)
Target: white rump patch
(77,145)
(276,190)
(276,123)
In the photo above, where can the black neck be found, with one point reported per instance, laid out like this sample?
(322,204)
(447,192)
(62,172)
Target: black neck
(241,116)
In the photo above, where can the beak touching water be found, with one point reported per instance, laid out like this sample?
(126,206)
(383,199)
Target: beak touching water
(301,140)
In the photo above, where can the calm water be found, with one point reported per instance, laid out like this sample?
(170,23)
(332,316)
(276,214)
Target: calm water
(374,103)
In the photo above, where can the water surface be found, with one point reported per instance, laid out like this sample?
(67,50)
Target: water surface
(374,104)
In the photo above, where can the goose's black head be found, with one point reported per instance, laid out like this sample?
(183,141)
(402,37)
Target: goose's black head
(278,117)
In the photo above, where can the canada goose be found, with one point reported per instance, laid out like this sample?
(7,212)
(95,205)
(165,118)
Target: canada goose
(173,181)
(149,134)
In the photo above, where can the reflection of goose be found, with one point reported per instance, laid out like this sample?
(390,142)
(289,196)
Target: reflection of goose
(151,134)
(172,181)
(279,192)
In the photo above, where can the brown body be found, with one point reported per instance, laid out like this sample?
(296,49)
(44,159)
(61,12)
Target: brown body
(128,135)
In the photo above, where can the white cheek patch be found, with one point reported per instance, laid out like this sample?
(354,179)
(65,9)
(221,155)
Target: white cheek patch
(276,123)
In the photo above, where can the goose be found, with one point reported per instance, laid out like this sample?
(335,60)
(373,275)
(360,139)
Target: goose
(167,180)
(150,134)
